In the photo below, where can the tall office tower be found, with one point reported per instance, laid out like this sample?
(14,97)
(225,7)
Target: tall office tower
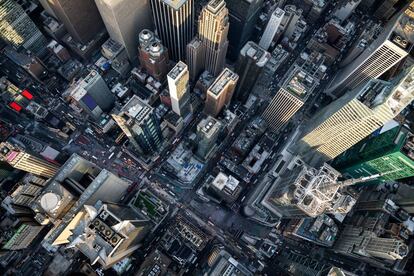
(81,18)
(140,124)
(271,28)
(243,15)
(152,55)
(308,192)
(220,92)
(300,81)
(78,183)
(213,27)
(356,242)
(117,230)
(292,17)
(92,94)
(208,131)
(178,85)
(174,21)
(354,116)
(390,153)
(250,64)
(195,58)
(17,29)
(25,161)
(124,19)
(392,45)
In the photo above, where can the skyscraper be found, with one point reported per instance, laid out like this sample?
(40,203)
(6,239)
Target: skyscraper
(307,192)
(243,15)
(354,116)
(174,21)
(17,29)
(299,83)
(195,58)
(25,161)
(208,131)
(213,27)
(179,88)
(271,28)
(153,56)
(140,124)
(118,230)
(390,153)
(81,18)
(124,19)
(250,64)
(392,45)
(220,92)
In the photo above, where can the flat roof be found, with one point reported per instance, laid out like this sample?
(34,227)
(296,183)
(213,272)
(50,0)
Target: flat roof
(177,71)
(222,81)
(175,4)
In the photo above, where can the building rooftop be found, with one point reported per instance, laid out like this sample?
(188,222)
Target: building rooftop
(175,4)
(136,109)
(195,43)
(255,52)
(215,5)
(178,70)
(225,78)
(185,167)
(300,83)
(222,263)
(321,230)
(115,229)
(78,182)
(112,47)
(225,181)
(402,32)
(209,126)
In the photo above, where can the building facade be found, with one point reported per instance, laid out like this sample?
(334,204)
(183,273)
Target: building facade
(81,18)
(392,45)
(123,20)
(195,58)
(174,21)
(92,94)
(140,124)
(272,28)
(25,161)
(153,56)
(213,27)
(178,85)
(208,131)
(220,92)
(250,64)
(17,29)
(351,118)
(243,15)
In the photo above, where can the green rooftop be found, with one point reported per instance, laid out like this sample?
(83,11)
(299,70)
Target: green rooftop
(390,153)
